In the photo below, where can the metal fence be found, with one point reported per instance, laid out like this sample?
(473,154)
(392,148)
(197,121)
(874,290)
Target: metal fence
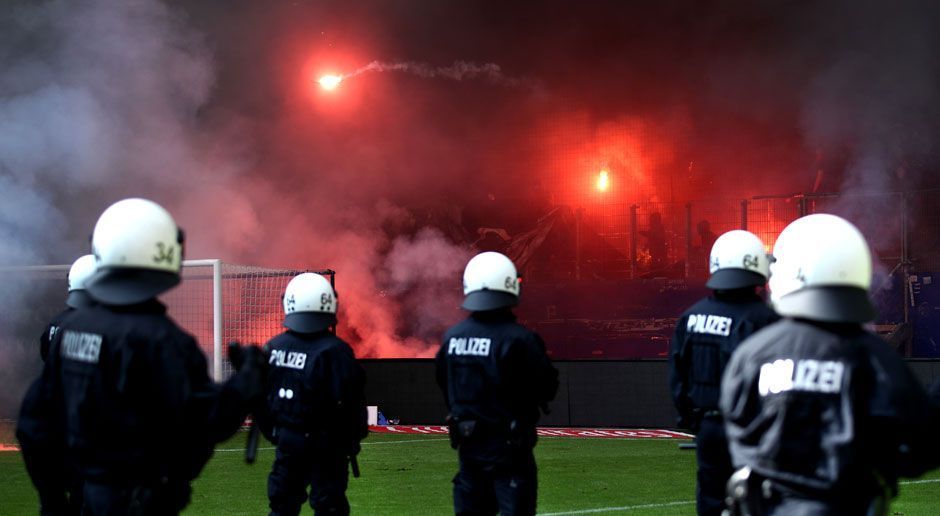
(899,227)
(673,240)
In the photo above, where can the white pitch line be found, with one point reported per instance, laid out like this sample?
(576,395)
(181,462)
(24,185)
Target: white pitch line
(242,449)
(623,508)
(408,441)
(690,502)
(363,444)
(925,481)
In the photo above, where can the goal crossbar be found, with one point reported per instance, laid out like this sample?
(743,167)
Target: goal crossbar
(245,301)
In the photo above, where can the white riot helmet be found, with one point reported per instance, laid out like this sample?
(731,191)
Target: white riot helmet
(738,259)
(822,271)
(78,275)
(309,303)
(490,281)
(138,251)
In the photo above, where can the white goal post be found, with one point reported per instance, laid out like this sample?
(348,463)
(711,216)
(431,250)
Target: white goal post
(217,302)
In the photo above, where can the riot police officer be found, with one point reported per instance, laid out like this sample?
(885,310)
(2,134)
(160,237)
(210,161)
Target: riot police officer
(822,416)
(77,298)
(124,392)
(495,376)
(316,411)
(67,498)
(706,334)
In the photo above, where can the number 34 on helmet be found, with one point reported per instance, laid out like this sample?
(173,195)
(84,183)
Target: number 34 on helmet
(138,251)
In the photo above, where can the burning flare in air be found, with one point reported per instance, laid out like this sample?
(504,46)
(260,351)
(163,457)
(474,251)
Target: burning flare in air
(330,82)
(603,181)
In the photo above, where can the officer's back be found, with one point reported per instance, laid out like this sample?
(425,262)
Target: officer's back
(816,382)
(125,375)
(706,335)
(310,373)
(496,369)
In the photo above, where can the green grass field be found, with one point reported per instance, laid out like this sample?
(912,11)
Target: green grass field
(410,474)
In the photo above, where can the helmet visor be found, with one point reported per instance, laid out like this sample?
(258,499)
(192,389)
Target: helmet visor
(79,299)
(482,300)
(309,322)
(726,279)
(828,304)
(129,286)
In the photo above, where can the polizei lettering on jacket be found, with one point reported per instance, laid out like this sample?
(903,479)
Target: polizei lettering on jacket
(469,346)
(710,324)
(824,376)
(81,346)
(292,360)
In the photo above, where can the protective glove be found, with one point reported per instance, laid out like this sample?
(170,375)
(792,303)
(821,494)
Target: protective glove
(251,370)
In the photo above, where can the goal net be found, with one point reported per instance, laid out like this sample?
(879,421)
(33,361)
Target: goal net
(217,302)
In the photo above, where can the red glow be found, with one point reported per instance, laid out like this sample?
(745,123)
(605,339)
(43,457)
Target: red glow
(640,151)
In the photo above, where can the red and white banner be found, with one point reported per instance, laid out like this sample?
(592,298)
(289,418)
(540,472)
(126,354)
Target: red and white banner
(604,433)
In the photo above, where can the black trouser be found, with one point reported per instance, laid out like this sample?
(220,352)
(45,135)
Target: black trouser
(507,486)
(714,466)
(76,496)
(301,462)
(59,503)
(113,500)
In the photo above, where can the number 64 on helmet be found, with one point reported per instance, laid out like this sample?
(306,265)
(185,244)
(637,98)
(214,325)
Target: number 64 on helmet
(490,281)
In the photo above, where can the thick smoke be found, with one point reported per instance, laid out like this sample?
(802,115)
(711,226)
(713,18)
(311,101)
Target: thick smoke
(104,99)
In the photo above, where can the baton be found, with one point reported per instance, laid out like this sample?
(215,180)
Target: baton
(251,447)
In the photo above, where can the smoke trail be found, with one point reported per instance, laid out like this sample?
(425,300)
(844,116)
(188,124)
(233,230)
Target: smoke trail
(459,71)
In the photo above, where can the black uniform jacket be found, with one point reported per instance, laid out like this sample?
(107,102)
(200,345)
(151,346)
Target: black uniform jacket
(46,338)
(825,409)
(706,335)
(315,387)
(126,395)
(493,370)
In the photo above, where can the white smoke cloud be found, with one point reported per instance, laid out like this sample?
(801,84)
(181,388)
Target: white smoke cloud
(97,102)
